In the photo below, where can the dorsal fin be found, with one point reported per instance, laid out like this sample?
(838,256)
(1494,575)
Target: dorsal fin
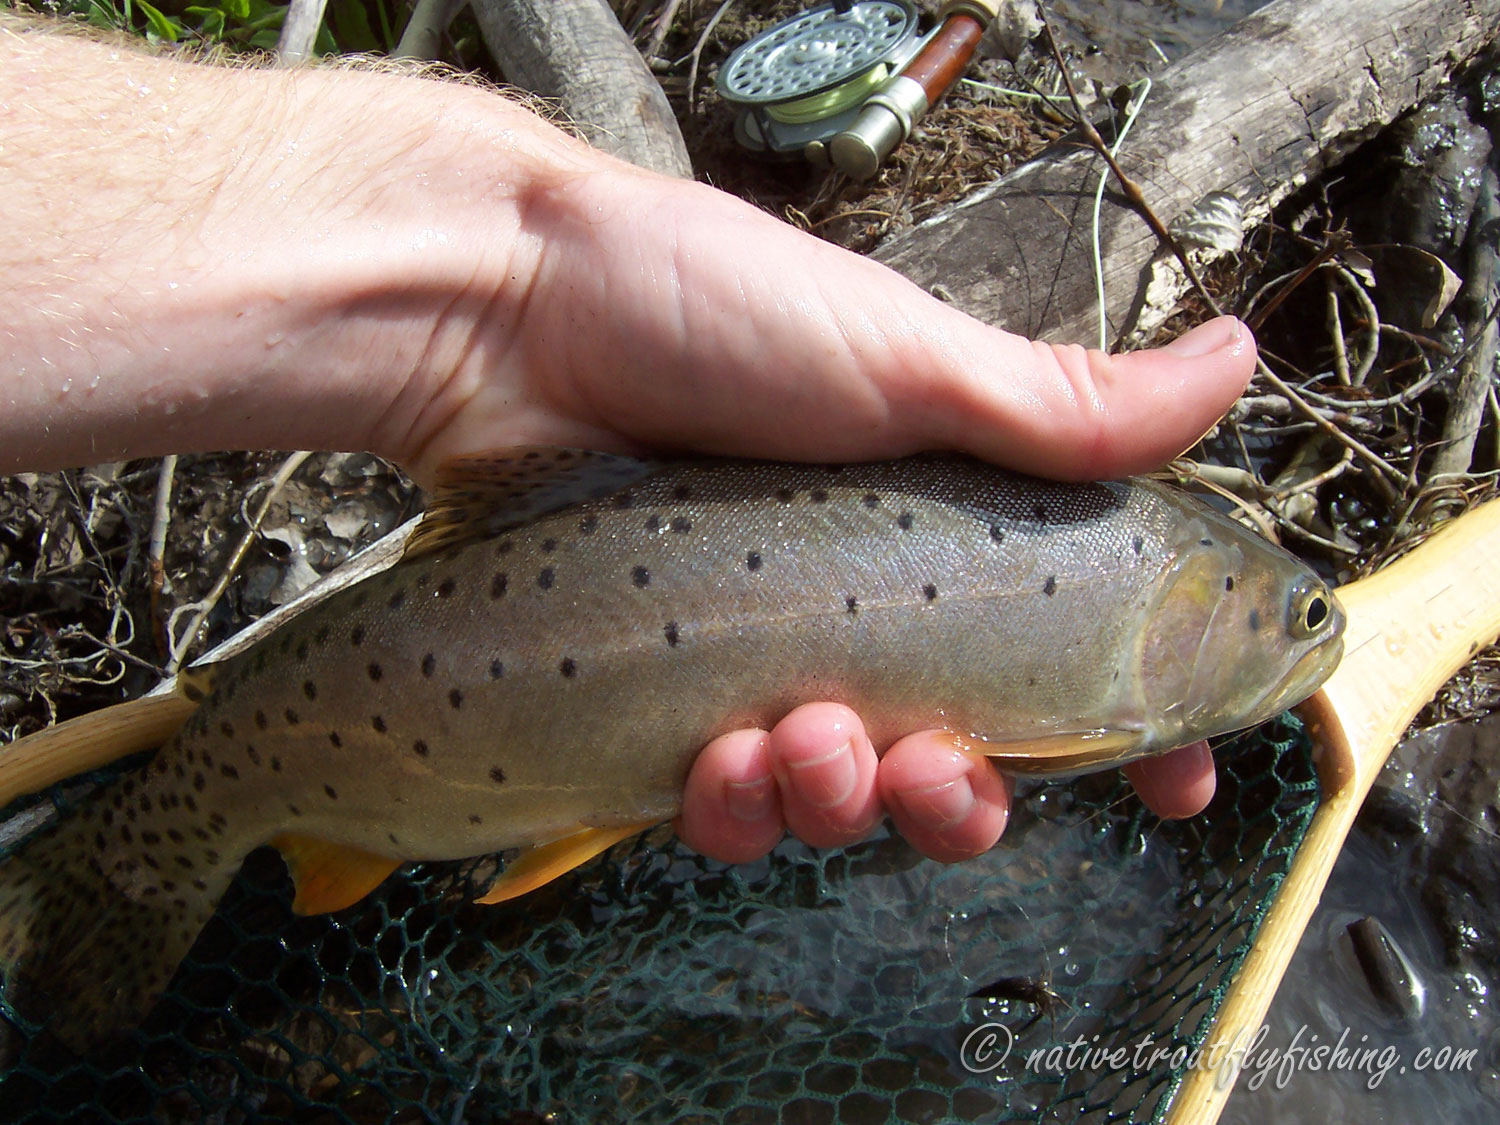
(481,495)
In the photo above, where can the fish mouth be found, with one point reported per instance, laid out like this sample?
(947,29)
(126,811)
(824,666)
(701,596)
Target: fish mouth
(1308,674)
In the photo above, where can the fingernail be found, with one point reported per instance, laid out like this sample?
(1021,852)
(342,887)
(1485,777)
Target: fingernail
(827,781)
(1206,339)
(939,806)
(750,800)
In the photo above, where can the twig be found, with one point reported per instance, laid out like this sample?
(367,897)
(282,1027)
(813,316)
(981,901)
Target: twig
(201,609)
(1360,448)
(1132,191)
(157,546)
(299,31)
(659,29)
(424,31)
(698,51)
(1477,367)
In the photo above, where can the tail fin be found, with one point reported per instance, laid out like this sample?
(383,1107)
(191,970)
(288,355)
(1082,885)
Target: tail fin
(84,954)
(100,737)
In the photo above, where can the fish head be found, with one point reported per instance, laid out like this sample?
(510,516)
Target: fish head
(1240,631)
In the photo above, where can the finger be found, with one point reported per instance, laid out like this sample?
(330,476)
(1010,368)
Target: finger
(1175,785)
(731,810)
(825,770)
(950,804)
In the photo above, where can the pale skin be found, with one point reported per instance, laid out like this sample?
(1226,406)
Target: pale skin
(198,258)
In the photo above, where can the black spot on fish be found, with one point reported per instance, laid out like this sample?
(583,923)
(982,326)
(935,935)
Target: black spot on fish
(420,748)
(292,719)
(429,665)
(191,804)
(588,524)
(125,833)
(378,722)
(929,592)
(1137,544)
(396,599)
(904,521)
(498,585)
(624,500)
(549,545)
(335,739)
(302,651)
(391,836)
(145,802)
(505,547)
(310,690)
(785,495)
(641,577)
(497,775)
(254,755)
(275,764)
(150,839)
(1049,587)
(1039,512)
(671,631)
(997,533)
(446,587)
(474,819)
(375,671)
(1229,583)
(128,789)
(357,635)
(818,496)
(260,720)
(851,603)
(226,729)
(496,669)
(193,694)
(752,560)
(1255,620)
(199,781)
(682,524)
(653,523)
(545,578)
(872,500)
(1205,542)
(321,636)
(293,809)
(568,668)
(682,492)
(229,771)
(333,794)
(455,699)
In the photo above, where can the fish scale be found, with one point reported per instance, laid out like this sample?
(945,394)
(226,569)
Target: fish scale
(569,630)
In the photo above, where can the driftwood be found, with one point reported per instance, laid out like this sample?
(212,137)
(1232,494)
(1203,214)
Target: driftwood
(576,53)
(1258,112)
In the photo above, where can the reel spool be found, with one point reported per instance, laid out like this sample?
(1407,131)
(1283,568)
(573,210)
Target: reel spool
(804,81)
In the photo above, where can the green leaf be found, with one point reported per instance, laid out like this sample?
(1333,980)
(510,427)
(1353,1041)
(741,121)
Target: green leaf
(351,22)
(158,23)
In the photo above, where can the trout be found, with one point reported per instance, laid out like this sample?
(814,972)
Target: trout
(568,629)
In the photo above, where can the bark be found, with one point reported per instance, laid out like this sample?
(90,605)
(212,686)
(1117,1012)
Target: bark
(576,53)
(1258,112)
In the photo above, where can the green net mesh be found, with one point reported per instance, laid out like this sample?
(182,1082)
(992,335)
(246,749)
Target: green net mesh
(813,987)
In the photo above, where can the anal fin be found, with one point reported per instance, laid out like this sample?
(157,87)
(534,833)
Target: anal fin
(537,866)
(1073,752)
(330,876)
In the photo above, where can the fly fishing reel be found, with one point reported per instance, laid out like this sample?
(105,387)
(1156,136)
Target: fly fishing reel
(844,82)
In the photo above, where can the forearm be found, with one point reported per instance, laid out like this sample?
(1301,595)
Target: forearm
(199,257)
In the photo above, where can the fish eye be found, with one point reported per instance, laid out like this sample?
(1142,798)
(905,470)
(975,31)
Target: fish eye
(1309,609)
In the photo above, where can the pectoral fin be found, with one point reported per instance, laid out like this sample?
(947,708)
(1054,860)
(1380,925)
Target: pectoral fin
(330,876)
(545,862)
(1073,752)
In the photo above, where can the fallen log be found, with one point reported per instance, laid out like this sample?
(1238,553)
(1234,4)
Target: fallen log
(576,53)
(1258,112)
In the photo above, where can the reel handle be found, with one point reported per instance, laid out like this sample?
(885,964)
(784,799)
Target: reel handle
(888,117)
